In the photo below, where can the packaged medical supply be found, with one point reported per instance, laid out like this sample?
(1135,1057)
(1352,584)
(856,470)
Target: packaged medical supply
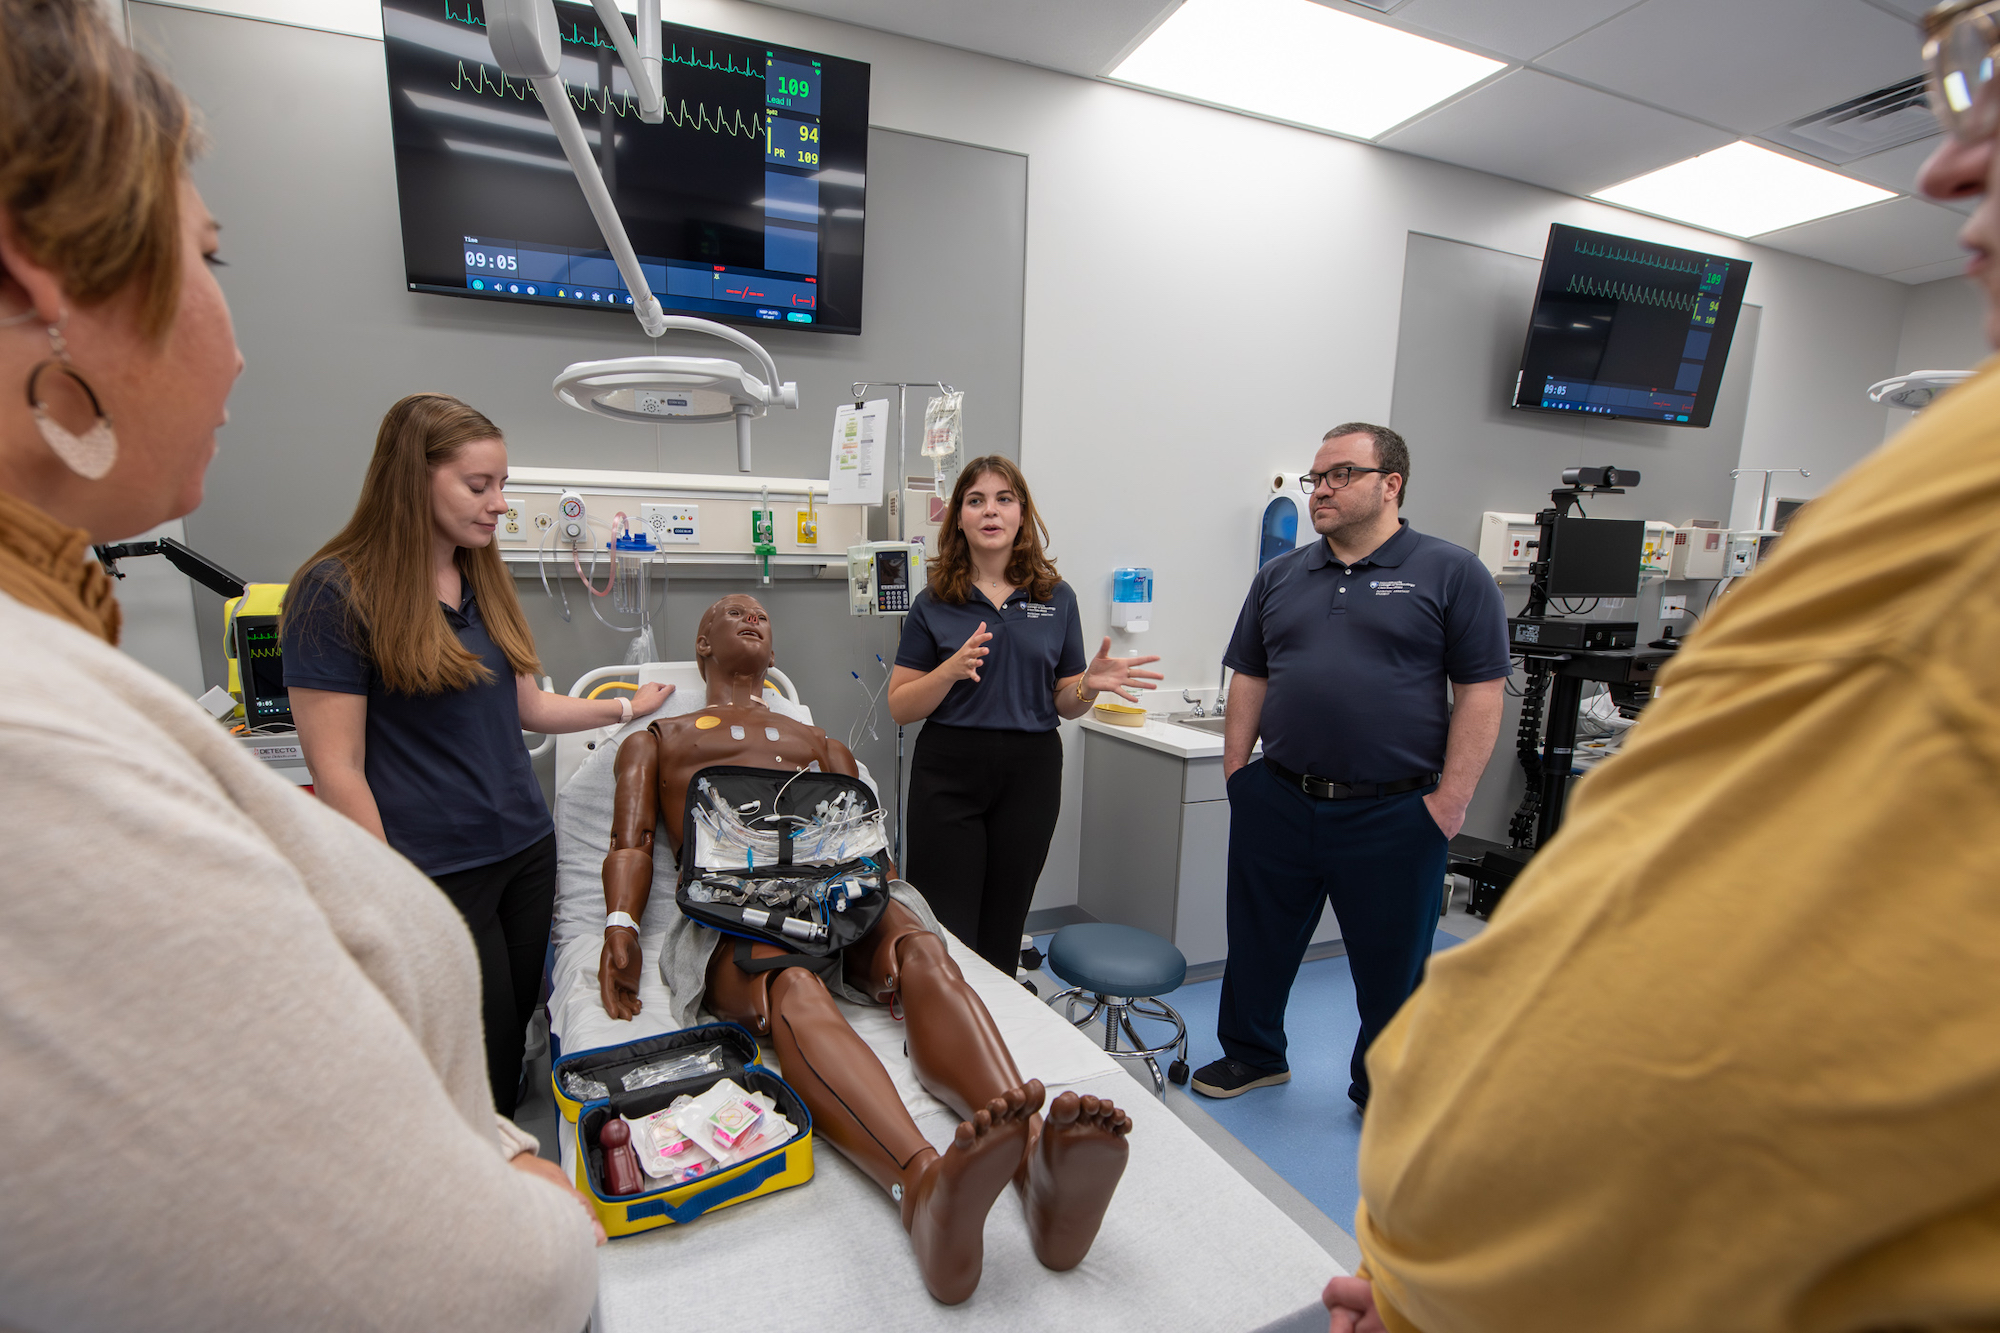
(581,1088)
(707,1061)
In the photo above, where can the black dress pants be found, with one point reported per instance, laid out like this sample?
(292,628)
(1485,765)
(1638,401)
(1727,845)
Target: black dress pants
(508,906)
(983,806)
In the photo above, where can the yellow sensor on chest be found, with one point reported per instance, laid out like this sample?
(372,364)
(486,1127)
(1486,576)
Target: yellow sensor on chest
(704,723)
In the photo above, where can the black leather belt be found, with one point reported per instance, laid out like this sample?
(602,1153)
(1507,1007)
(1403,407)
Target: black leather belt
(1327,790)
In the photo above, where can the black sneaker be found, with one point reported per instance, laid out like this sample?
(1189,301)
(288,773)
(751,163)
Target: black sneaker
(1233,1078)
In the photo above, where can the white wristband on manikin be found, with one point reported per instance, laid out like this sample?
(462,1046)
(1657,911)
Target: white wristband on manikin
(621,919)
(624,710)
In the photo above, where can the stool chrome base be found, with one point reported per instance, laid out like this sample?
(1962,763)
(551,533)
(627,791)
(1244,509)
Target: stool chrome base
(1117,1013)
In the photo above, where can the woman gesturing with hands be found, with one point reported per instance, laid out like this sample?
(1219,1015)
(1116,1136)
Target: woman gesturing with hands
(992,659)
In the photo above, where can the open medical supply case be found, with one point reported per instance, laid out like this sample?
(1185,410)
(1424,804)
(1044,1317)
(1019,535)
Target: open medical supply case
(780,1167)
(808,849)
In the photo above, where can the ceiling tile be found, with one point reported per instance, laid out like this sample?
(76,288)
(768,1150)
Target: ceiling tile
(1894,170)
(1888,237)
(1522,29)
(1746,66)
(1082,39)
(1929,272)
(1913,10)
(1507,128)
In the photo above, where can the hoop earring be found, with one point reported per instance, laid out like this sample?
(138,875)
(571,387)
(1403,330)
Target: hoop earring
(91,454)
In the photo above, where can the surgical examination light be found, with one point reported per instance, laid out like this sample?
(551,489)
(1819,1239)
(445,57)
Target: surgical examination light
(644,389)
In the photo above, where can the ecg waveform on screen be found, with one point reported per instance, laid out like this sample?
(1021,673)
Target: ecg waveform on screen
(671,56)
(600,100)
(1640,257)
(1583,285)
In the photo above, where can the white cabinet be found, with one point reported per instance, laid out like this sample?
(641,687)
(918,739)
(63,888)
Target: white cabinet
(1155,838)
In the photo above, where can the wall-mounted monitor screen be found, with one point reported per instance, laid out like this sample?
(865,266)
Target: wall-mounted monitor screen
(1626,328)
(745,204)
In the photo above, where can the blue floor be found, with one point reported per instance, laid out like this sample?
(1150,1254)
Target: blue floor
(1305,1130)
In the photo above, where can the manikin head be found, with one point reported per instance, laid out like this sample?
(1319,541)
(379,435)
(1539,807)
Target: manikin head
(734,640)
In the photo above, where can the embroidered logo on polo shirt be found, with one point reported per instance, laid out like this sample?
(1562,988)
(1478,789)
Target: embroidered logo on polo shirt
(1383,587)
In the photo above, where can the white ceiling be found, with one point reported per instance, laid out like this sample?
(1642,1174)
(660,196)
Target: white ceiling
(1598,91)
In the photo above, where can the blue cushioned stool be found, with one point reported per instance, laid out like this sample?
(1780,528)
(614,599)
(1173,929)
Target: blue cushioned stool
(1122,970)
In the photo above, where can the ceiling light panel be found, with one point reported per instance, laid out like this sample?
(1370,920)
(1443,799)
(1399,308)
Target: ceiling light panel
(1743,190)
(1298,61)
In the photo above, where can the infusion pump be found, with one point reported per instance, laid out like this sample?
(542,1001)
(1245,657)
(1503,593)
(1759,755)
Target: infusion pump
(883,578)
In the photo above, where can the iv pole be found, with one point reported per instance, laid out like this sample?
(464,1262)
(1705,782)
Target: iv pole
(902,388)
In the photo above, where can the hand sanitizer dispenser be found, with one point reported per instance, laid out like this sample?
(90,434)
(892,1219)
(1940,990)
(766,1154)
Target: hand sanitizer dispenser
(1132,600)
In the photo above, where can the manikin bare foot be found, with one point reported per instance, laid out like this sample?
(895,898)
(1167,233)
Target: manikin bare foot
(945,1206)
(1071,1172)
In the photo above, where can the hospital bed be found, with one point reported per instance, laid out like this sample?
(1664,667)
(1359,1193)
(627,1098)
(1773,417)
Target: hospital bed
(1187,1243)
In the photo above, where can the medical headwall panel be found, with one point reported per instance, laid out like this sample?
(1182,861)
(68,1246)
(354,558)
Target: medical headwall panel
(746,203)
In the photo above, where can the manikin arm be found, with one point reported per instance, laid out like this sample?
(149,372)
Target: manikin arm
(628,869)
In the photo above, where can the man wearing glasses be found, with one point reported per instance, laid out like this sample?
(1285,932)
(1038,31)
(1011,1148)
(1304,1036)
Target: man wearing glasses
(1727,1058)
(1342,654)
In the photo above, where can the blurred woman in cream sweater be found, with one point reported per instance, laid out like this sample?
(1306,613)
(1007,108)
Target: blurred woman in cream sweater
(241,1077)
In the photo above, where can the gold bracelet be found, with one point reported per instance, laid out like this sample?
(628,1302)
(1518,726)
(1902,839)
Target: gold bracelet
(1079,691)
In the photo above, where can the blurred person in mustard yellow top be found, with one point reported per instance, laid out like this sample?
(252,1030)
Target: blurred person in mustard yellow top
(1729,1056)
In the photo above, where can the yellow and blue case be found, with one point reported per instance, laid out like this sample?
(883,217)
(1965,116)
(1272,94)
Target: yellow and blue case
(780,1168)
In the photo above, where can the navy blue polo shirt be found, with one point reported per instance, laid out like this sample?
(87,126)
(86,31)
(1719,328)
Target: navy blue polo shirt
(449,772)
(1034,645)
(1357,655)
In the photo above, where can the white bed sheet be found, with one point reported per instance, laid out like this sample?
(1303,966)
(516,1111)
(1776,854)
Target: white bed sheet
(1187,1243)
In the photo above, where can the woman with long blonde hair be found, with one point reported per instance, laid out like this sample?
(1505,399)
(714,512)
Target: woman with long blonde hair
(992,658)
(412,674)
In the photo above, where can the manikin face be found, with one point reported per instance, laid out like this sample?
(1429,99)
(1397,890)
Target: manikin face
(990,515)
(735,636)
(466,494)
(1960,170)
(1356,506)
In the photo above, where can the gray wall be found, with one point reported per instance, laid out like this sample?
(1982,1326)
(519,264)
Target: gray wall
(1465,314)
(301,175)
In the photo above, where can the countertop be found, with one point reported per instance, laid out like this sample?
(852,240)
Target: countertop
(1159,734)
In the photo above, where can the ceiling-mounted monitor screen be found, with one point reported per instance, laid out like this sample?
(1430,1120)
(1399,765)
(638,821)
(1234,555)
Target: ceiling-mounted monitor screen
(745,204)
(1627,328)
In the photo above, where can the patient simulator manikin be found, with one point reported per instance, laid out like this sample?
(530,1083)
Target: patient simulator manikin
(1065,1167)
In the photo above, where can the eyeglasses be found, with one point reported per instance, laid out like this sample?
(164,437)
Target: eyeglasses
(1959,44)
(1344,475)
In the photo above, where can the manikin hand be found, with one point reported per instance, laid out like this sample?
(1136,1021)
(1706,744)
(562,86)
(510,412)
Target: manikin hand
(1352,1300)
(965,663)
(618,972)
(1119,674)
(649,697)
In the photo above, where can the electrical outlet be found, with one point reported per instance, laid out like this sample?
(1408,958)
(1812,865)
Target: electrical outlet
(1673,608)
(672,525)
(510,522)
(808,528)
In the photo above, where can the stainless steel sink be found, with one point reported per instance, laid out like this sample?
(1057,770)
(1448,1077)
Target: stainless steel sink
(1212,725)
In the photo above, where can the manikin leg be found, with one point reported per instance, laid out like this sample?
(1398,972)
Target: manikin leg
(944,1199)
(1072,1163)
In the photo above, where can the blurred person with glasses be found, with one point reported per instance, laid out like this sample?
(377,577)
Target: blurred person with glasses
(1371,662)
(1726,1056)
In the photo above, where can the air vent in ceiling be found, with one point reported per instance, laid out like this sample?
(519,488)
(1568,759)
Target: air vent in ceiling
(1884,119)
